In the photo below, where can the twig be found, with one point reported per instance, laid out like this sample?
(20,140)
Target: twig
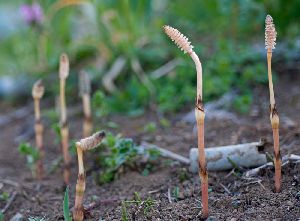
(10,182)
(113,73)
(261,185)
(153,191)
(225,188)
(285,158)
(9,202)
(230,173)
(166,153)
(165,69)
(169,195)
(140,73)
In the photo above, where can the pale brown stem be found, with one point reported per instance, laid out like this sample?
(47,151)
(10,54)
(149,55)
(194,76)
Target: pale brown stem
(37,112)
(38,127)
(275,126)
(200,115)
(66,154)
(64,132)
(78,213)
(87,124)
(277,160)
(63,114)
(272,97)
(199,73)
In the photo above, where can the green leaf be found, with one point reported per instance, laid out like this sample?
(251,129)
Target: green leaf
(124,212)
(66,209)
(30,152)
(4,196)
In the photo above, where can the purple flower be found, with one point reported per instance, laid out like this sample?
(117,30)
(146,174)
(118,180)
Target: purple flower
(32,13)
(38,12)
(26,13)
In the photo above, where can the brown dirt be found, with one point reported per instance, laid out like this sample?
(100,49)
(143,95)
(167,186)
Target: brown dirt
(242,199)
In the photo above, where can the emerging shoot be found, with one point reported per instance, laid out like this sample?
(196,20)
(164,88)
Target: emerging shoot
(85,90)
(63,74)
(37,93)
(82,146)
(270,42)
(182,42)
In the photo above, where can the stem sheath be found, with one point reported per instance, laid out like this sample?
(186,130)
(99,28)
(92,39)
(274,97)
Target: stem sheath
(78,213)
(274,118)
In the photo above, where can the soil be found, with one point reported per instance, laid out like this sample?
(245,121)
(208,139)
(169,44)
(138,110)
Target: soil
(231,197)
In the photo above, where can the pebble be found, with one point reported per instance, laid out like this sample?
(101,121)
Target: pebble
(17,217)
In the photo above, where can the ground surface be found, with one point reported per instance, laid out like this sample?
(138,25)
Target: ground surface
(231,197)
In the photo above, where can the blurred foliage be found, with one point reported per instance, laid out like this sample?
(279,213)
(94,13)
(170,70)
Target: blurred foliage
(4,196)
(95,33)
(32,155)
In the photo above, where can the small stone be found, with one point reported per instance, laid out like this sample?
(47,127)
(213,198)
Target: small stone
(289,203)
(181,196)
(17,217)
(236,203)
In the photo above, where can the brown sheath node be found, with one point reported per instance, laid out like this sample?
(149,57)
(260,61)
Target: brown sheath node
(64,125)
(277,155)
(203,171)
(88,119)
(273,110)
(38,121)
(199,103)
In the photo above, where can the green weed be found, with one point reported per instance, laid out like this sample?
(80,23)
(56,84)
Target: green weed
(31,153)
(116,152)
(66,210)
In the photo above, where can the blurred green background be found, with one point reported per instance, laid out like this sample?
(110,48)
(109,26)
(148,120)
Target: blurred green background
(125,38)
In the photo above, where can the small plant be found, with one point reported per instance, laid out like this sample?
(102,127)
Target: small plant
(150,127)
(66,209)
(63,74)
(32,156)
(37,94)
(141,205)
(175,193)
(117,152)
(4,196)
(85,90)
(83,145)
(182,42)
(124,212)
(36,219)
(270,42)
